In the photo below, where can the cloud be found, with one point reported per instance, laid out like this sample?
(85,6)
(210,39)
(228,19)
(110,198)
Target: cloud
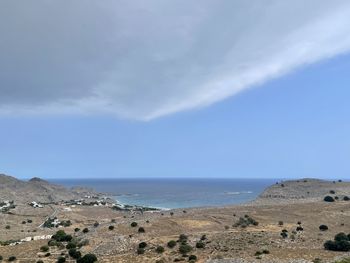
(146,59)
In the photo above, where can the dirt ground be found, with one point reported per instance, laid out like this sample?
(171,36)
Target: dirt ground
(223,240)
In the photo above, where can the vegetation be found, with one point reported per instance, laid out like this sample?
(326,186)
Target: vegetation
(61,260)
(185,248)
(246,221)
(140,251)
(62,236)
(200,244)
(44,248)
(142,245)
(88,258)
(323,227)
(341,242)
(74,253)
(141,230)
(171,244)
(133,224)
(111,227)
(85,230)
(12,258)
(160,249)
(328,199)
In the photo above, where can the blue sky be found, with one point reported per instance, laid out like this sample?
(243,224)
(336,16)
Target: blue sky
(294,126)
(170,89)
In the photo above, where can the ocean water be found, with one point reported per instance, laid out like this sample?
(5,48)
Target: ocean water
(176,193)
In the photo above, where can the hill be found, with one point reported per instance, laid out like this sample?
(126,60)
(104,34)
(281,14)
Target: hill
(35,189)
(306,190)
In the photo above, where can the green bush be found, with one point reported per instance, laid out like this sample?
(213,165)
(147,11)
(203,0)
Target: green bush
(85,230)
(133,224)
(184,249)
(71,245)
(160,249)
(192,257)
(12,258)
(74,253)
(1,257)
(142,245)
(88,258)
(341,243)
(200,244)
(77,229)
(323,227)
(171,244)
(346,198)
(62,236)
(111,227)
(141,230)
(61,260)
(44,248)
(96,224)
(328,199)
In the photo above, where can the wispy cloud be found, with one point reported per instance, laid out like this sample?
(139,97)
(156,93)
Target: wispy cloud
(146,59)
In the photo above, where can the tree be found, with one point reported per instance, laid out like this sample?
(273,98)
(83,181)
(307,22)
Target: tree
(74,253)
(61,260)
(88,258)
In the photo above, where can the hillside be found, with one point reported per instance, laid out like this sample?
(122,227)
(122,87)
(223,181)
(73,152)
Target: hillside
(35,189)
(304,190)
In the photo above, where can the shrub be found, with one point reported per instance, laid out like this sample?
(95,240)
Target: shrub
(141,230)
(7,227)
(74,253)
(12,258)
(71,245)
(200,244)
(340,243)
(47,254)
(183,238)
(328,199)
(203,237)
(160,249)
(1,257)
(29,221)
(171,243)
(192,257)
(61,260)
(140,251)
(280,223)
(142,245)
(62,236)
(336,198)
(346,198)
(184,249)
(332,192)
(299,228)
(85,230)
(96,224)
(77,229)
(323,227)
(44,248)
(341,236)
(133,224)
(40,261)
(88,258)
(111,227)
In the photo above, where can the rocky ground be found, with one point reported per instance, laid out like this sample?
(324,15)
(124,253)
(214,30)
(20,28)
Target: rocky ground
(226,240)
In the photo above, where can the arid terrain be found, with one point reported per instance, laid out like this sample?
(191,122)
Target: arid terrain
(242,233)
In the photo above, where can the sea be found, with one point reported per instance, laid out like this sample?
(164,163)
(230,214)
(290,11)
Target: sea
(173,193)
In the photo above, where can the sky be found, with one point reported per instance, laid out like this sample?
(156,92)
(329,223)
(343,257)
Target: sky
(175,89)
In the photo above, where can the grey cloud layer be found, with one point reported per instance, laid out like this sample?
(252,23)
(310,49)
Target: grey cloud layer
(145,59)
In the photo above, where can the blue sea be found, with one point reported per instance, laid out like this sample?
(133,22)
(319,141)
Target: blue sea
(175,193)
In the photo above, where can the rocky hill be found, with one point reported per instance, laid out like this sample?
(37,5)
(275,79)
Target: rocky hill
(304,190)
(35,189)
